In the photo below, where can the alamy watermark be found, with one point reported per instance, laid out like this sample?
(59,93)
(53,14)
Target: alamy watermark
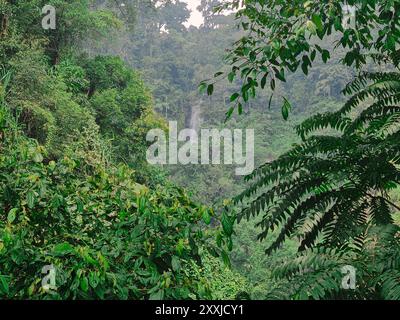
(49,20)
(349,280)
(49,280)
(187,147)
(349,16)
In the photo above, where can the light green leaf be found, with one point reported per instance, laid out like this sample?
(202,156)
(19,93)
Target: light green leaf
(180,246)
(159,295)
(37,157)
(30,199)
(12,215)
(206,217)
(176,265)
(317,21)
(63,248)
(202,87)
(311,27)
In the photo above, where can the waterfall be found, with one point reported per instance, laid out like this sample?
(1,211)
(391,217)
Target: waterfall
(195,117)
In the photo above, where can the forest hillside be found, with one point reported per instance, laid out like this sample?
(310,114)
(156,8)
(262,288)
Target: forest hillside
(80,201)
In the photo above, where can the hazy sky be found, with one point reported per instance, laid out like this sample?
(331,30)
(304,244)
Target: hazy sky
(196,19)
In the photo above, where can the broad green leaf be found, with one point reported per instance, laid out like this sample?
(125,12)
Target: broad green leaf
(12,215)
(159,295)
(79,205)
(84,284)
(4,284)
(229,113)
(281,75)
(311,27)
(225,259)
(63,248)
(317,21)
(210,89)
(176,265)
(264,81)
(286,108)
(202,87)
(180,246)
(31,199)
(93,279)
(206,217)
(231,77)
(240,108)
(234,96)
(230,244)
(325,55)
(37,157)
(227,224)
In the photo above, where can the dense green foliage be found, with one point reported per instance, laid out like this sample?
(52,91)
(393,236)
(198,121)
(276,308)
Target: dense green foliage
(173,64)
(107,236)
(332,191)
(72,168)
(76,191)
(281,36)
(192,55)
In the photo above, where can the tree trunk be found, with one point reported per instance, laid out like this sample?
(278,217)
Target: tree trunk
(3,25)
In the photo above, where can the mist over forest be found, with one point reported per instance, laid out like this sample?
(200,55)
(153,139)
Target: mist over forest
(82,83)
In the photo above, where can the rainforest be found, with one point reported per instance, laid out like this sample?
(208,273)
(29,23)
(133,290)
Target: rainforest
(307,91)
